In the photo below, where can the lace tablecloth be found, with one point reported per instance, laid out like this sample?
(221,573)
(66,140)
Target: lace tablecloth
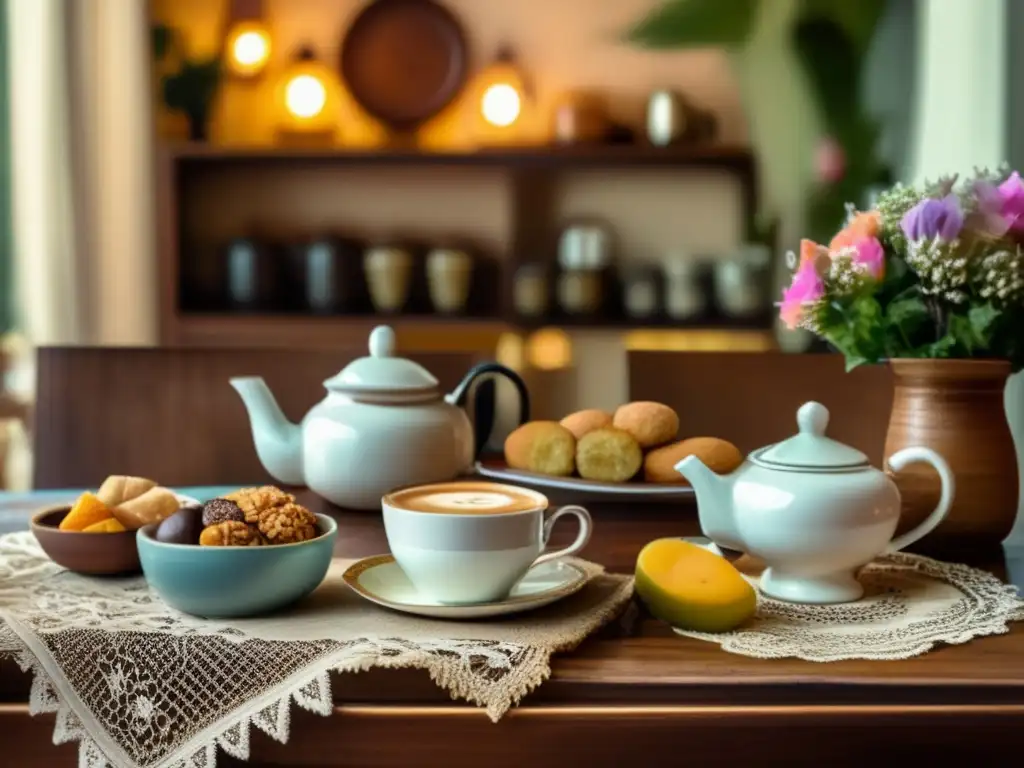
(911,604)
(139,684)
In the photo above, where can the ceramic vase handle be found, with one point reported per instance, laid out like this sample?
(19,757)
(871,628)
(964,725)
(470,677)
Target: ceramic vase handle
(581,538)
(898,461)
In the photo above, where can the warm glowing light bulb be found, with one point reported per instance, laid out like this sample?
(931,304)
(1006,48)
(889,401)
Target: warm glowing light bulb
(249,47)
(501,105)
(305,96)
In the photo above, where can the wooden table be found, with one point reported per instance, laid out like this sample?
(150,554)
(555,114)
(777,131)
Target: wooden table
(634,694)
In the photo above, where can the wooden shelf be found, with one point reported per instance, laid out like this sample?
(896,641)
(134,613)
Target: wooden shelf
(534,173)
(612,155)
(282,330)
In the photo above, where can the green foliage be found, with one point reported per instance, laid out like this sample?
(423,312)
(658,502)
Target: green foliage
(192,88)
(696,24)
(162,39)
(857,19)
(830,39)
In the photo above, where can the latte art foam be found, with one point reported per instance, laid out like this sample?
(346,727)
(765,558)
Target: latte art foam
(465,499)
(479,500)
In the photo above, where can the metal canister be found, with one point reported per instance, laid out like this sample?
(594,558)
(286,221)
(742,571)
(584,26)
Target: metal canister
(667,118)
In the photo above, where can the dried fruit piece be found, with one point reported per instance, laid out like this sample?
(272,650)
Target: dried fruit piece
(110,525)
(287,524)
(220,511)
(254,501)
(86,511)
(230,533)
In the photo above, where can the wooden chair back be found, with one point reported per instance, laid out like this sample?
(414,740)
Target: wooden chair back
(751,399)
(170,414)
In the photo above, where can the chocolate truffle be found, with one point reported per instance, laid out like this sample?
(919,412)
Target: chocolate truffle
(221,511)
(183,527)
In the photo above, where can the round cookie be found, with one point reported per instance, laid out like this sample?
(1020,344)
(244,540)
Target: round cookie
(581,422)
(650,424)
(608,454)
(718,455)
(541,446)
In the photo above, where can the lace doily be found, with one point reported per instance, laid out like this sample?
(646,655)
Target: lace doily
(911,604)
(138,684)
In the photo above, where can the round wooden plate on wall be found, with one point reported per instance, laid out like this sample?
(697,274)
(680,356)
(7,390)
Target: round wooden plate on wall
(404,61)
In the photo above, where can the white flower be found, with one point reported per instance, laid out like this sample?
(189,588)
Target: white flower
(942,267)
(1001,277)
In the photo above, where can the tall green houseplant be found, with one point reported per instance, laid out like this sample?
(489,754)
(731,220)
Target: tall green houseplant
(830,39)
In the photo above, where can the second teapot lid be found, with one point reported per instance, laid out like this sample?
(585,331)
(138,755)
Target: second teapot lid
(810,448)
(381,371)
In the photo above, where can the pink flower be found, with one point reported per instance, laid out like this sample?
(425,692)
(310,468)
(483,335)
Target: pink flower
(830,161)
(1012,193)
(871,256)
(807,287)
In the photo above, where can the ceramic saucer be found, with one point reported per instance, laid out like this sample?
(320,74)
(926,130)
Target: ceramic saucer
(380,580)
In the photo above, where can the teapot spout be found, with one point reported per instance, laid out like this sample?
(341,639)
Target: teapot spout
(714,502)
(278,441)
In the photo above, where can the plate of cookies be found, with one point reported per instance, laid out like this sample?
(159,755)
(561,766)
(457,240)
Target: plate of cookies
(631,452)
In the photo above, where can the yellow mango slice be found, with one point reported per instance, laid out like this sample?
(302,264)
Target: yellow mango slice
(692,588)
(86,511)
(110,525)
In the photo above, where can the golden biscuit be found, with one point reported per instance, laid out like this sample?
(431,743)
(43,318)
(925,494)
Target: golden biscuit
(650,424)
(608,454)
(541,446)
(117,489)
(153,506)
(581,422)
(719,456)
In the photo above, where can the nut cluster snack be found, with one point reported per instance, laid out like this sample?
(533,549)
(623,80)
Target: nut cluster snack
(122,503)
(637,441)
(248,517)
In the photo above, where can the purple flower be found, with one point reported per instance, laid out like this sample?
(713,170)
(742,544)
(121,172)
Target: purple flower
(1011,194)
(933,218)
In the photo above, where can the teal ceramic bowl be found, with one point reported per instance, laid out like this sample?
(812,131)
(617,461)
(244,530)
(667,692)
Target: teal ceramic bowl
(233,582)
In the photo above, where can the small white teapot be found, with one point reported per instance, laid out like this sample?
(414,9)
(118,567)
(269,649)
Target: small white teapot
(812,509)
(383,424)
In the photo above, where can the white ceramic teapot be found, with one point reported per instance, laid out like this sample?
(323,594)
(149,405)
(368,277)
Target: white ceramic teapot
(812,509)
(383,424)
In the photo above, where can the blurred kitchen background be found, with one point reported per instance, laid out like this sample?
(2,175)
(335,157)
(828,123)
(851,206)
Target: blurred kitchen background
(548,183)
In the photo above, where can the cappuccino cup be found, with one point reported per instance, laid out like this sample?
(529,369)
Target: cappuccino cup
(472,542)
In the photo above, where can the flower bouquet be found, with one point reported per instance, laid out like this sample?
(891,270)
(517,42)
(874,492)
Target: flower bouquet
(935,271)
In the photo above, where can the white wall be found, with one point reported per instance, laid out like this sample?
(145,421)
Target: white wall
(961,107)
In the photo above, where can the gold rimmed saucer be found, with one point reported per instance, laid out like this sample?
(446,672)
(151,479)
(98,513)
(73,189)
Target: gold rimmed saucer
(381,580)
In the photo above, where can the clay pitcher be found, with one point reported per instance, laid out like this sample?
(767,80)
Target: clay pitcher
(956,408)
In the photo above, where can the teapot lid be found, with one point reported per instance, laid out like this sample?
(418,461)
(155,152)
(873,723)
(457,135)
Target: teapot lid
(810,448)
(383,372)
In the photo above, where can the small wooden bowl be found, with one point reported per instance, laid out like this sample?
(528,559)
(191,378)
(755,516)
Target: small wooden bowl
(95,554)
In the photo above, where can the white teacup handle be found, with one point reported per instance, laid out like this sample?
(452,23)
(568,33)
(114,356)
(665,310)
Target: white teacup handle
(581,538)
(898,461)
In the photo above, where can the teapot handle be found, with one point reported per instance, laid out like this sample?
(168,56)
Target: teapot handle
(485,409)
(898,461)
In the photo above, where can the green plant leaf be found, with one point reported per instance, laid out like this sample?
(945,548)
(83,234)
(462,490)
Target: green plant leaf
(983,321)
(856,329)
(905,316)
(193,87)
(162,38)
(858,18)
(832,65)
(696,24)
(941,349)
(973,331)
